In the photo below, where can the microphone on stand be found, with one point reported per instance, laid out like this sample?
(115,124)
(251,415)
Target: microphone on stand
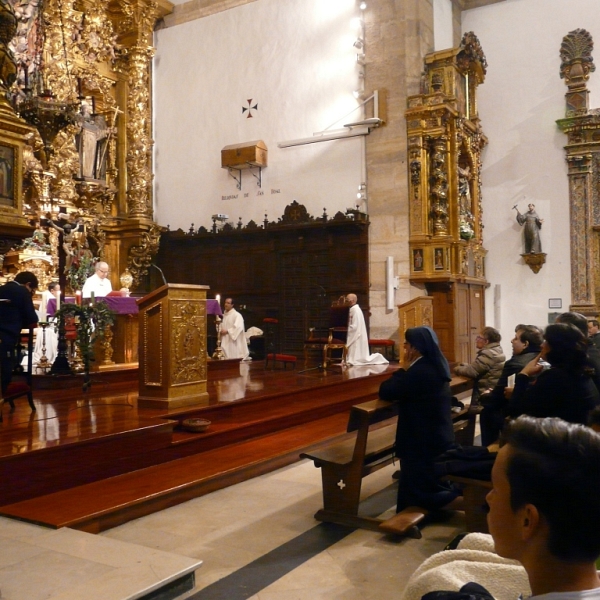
(161,273)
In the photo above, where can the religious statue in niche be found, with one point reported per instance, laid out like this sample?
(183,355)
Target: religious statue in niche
(533,255)
(92,143)
(533,224)
(465,203)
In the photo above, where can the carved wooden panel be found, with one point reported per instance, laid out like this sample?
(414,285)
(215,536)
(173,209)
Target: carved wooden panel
(291,271)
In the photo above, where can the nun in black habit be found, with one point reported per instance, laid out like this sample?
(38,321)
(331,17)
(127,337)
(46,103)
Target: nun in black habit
(422,394)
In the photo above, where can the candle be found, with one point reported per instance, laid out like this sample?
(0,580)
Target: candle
(57,301)
(218,298)
(78,298)
(92,297)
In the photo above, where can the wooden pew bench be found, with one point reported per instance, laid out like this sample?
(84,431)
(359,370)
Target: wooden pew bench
(344,463)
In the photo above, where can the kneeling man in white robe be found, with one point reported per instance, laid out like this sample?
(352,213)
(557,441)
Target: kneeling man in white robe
(357,341)
(233,338)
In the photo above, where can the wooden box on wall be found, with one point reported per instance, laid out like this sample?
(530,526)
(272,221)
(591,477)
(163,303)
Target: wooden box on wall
(244,155)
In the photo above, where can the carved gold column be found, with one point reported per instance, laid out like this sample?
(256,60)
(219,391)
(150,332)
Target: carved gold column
(139,140)
(136,31)
(582,127)
(445,141)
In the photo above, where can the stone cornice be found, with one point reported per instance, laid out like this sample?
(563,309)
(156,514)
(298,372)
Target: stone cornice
(197,9)
(469,4)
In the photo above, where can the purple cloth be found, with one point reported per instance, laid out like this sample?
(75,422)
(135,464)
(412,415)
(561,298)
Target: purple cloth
(121,305)
(126,305)
(51,306)
(213,308)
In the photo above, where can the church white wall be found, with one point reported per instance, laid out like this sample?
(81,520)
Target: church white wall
(522,97)
(442,24)
(295,60)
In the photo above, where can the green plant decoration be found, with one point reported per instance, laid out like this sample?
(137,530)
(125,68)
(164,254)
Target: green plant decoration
(91,321)
(80,271)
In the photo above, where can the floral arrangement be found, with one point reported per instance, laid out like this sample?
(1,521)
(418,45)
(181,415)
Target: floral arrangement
(91,321)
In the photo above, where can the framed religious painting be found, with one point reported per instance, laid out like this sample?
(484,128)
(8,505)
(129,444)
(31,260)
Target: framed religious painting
(417,259)
(7,175)
(438,259)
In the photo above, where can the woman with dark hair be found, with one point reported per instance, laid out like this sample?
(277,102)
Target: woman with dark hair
(421,391)
(566,390)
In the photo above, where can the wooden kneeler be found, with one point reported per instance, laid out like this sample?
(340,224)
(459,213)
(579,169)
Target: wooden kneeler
(343,465)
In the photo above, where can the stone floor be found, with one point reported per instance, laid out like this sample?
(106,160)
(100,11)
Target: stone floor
(258,540)
(37,563)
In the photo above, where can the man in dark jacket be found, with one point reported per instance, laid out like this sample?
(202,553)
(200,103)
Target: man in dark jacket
(16,313)
(526,344)
(594,332)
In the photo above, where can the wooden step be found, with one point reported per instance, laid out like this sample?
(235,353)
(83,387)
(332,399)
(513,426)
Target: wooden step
(82,459)
(104,504)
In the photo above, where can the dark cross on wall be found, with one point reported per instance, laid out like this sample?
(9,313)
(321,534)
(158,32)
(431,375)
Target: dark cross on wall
(249,108)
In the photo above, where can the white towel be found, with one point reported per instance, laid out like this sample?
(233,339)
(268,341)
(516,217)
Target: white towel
(473,560)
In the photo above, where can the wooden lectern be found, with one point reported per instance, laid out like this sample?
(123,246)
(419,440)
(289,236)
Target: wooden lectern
(172,353)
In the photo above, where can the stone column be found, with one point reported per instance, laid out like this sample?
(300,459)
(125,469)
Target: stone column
(582,126)
(399,33)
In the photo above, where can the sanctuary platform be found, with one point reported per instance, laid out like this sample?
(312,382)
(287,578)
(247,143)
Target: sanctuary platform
(95,460)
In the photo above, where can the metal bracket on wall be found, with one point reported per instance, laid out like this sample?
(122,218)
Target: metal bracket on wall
(238,181)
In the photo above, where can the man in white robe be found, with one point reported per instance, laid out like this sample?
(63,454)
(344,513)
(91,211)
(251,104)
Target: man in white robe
(357,341)
(233,338)
(99,283)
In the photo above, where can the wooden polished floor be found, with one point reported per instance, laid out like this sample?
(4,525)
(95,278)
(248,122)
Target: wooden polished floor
(67,415)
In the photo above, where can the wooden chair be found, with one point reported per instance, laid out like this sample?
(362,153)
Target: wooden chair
(335,339)
(21,384)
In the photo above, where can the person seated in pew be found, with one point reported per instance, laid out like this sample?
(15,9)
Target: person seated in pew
(526,344)
(421,392)
(593,353)
(594,332)
(486,369)
(565,390)
(544,512)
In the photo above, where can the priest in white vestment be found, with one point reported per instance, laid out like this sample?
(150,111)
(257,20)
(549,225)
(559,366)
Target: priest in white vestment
(99,283)
(357,341)
(233,338)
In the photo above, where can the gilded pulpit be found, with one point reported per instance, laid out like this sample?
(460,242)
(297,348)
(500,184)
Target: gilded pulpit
(172,353)
(445,142)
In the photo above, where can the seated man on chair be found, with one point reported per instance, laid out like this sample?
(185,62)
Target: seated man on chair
(233,336)
(16,312)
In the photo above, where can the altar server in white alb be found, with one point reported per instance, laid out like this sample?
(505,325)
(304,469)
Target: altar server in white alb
(357,341)
(233,338)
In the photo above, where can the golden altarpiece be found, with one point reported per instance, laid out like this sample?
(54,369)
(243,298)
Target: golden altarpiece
(445,141)
(582,127)
(75,137)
